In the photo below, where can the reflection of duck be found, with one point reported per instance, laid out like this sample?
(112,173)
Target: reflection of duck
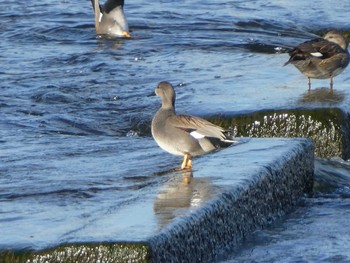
(321,58)
(322,95)
(110,18)
(184,135)
(179,195)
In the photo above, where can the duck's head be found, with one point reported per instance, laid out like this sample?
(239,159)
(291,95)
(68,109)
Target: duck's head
(166,91)
(338,38)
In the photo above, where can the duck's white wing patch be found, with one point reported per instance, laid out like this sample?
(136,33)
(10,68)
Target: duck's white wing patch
(316,54)
(197,135)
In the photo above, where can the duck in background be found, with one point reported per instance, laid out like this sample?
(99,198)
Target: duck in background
(321,58)
(184,135)
(110,18)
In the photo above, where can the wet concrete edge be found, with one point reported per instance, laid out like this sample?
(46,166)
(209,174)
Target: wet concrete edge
(234,214)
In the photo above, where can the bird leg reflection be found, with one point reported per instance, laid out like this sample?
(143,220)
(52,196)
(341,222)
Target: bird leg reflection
(187,176)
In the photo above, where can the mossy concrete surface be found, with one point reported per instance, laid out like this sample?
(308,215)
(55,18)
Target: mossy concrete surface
(327,127)
(87,253)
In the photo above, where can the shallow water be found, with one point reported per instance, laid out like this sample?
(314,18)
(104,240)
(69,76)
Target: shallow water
(316,232)
(75,109)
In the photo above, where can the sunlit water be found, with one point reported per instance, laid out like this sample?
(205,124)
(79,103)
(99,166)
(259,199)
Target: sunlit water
(75,110)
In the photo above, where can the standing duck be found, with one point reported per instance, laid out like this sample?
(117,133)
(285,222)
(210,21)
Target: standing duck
(110,19)
(184,135)
(321,58)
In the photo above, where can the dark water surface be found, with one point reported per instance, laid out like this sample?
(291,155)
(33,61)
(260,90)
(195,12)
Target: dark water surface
(75,110)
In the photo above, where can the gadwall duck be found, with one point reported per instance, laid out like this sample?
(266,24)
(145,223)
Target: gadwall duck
(110,19)
(321,58)
(184,135)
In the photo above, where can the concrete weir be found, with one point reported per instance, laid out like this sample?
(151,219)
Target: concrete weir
(195,217)
(328,128)
(252,195)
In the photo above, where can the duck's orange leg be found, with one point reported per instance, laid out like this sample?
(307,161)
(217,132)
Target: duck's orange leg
(184,162)
(187,162)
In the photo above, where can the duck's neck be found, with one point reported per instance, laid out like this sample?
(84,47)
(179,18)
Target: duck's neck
(168,104)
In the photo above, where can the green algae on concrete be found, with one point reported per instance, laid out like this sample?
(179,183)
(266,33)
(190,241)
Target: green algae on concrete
(328,128)
(105,252)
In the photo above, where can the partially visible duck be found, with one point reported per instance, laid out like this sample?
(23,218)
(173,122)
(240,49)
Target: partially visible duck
(110,18)
(184,135)
(321,58)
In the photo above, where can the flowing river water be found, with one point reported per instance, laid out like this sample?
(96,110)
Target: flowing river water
(75,110)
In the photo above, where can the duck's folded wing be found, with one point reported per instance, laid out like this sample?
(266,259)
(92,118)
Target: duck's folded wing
(197,127)
(317,48)
(111,4)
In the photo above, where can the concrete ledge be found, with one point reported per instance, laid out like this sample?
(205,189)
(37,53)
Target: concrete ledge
(329,128)
(257,201)
(196,217)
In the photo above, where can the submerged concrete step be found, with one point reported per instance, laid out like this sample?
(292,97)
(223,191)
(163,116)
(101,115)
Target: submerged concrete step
(195,216)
